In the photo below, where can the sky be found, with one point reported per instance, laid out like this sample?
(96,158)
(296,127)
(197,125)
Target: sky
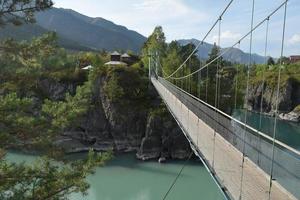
(186,19)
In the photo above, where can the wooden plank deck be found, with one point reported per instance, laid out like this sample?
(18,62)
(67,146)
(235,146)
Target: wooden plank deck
(222,157)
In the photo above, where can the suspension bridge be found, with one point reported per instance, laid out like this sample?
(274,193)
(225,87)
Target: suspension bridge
(245,162)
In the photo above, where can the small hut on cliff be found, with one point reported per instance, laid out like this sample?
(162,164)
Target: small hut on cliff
(116,60)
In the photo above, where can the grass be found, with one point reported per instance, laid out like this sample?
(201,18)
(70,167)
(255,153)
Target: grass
(290,72)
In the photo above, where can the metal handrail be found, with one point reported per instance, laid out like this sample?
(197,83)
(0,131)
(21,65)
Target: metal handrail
(277,142)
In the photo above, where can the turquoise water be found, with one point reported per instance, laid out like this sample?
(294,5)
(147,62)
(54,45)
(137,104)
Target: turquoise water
(125,178)
(286,132)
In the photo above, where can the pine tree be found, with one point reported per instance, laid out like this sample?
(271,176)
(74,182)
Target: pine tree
(18,12)
(21,127)
(270,61)
(214,62)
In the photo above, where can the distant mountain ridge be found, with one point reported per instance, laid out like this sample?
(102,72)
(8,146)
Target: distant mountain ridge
(234,55)
(79,32)
(96,33)
(29,31)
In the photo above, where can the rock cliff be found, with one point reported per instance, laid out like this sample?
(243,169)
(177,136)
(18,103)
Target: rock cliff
(125,126)
(289,97)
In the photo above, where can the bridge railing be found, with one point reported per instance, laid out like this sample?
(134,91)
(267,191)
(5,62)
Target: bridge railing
(257,146)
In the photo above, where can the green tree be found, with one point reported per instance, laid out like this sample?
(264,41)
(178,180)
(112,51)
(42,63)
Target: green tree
(214,63)
(270,61)
(155,45)
(18,12)
(46,178)
(63,114)
(22,125)
(19,127)
(173,59)
(22,62)
(126,85)
(113,89)
(284,60)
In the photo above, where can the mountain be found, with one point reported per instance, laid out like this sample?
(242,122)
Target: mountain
(96,33)
(29,31)
(77,32)
(234,55)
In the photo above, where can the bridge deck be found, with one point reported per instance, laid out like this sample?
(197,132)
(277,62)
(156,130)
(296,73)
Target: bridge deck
(224,159)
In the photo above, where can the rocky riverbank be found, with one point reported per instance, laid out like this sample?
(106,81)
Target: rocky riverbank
(288,101)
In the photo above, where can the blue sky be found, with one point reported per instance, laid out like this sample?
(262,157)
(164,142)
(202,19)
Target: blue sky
(185,19)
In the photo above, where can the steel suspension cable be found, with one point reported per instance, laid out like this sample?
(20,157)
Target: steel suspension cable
(216,92)
(199,80)
(277,95)
(176,178)
(263,74)
(189,79)
(231,47)
(186,80)
(246,99)
(206,87)
(202,41)
(236,82)
(263,88)
(156,59)
(218,66)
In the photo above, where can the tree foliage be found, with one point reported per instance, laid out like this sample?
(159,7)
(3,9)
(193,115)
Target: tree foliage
(270,61)
(63,114)
(47,178)
(18,12)
(20,127)
(126,85)
(22,62)
(155,45)
(29,121)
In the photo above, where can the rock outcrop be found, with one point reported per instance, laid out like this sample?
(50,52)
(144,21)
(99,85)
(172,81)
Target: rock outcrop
(110,125)
(293,116)
(55,90)
(289,97)
(163,139)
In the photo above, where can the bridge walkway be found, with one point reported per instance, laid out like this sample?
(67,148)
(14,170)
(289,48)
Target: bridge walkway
(221,151)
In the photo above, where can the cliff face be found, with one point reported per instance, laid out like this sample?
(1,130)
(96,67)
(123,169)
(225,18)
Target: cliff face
(289,97)
(288,100)
(163,139)
(125,127)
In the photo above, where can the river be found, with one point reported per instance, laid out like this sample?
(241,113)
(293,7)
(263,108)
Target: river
(286,132)
(125,178)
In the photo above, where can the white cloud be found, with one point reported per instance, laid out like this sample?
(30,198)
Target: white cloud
(176,6)
(227,36)
(295,39)
(171,14)
(179,18)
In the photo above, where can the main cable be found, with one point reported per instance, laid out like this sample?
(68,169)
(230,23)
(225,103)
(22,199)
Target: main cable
(202,41)
(231,47)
